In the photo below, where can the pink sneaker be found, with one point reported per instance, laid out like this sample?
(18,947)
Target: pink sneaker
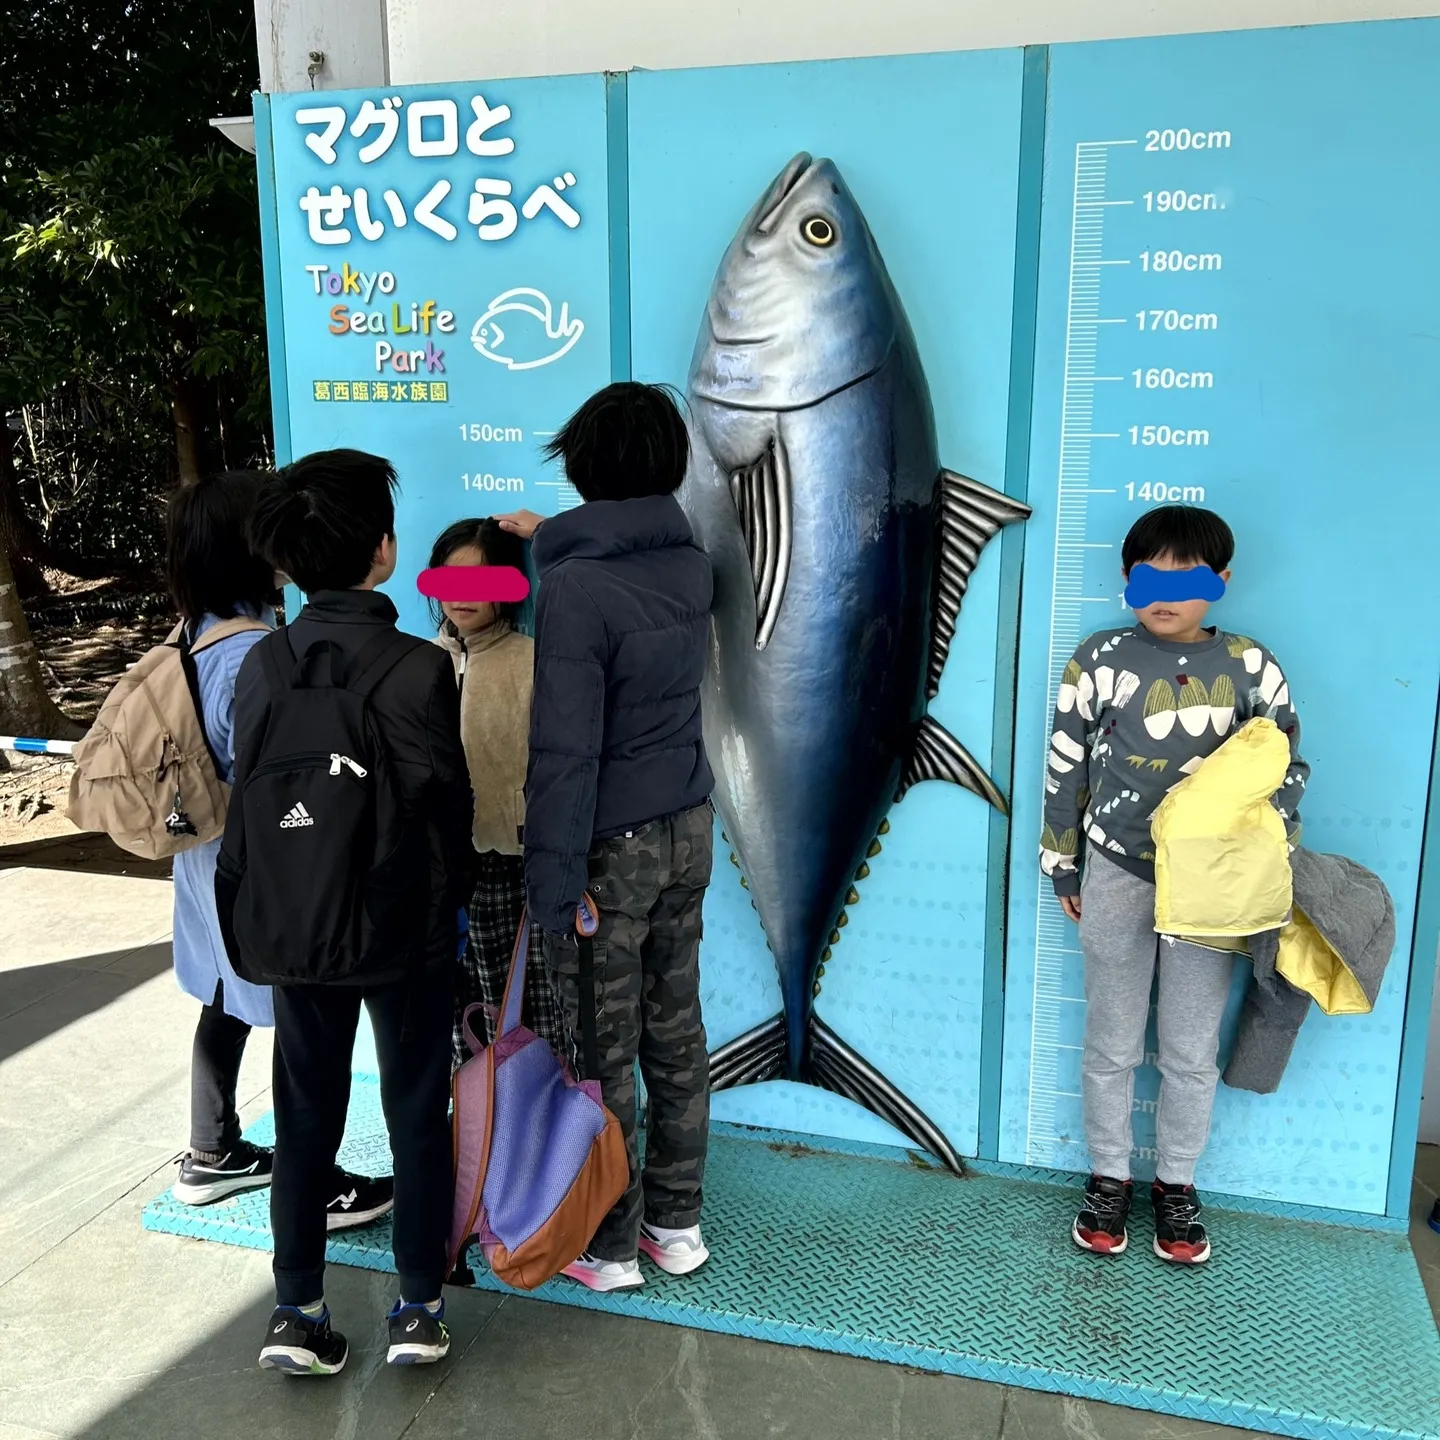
(605,1274)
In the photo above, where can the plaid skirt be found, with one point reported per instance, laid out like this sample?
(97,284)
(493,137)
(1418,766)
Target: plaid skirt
(495,911)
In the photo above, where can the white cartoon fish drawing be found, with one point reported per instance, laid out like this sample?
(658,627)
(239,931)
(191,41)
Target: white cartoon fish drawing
(520,334)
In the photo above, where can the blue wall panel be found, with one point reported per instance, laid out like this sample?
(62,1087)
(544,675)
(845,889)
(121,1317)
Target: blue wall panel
(1291,336)
(1298,232)
(929,145)
(476,452)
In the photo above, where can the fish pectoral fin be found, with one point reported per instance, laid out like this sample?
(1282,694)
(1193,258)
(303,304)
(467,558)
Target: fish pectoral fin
(967,515)
(761,493)
(833,1065)
(757,1055)
(938,755)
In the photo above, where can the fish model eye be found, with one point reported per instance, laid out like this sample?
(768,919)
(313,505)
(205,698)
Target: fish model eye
(818,231)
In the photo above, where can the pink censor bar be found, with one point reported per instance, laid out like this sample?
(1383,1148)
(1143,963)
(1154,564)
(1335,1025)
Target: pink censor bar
(474,584)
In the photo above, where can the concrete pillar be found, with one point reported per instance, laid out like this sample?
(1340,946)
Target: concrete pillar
(321,44)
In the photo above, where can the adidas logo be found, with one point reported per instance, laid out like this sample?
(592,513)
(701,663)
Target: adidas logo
(297,819)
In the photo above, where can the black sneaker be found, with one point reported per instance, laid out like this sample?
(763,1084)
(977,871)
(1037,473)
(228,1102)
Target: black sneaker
(299,1345)
(1179,1235)
(1100,1225)
(202,1182)
(417,1337)
(357,1200)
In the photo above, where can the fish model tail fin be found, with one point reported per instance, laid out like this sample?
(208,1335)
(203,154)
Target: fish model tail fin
(834,1065)
(830,1063)
(758,1054)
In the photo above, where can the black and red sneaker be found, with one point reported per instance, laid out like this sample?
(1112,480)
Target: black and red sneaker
(1179,1235)
(1100,1225)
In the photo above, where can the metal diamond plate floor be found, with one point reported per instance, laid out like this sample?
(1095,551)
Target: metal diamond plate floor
(1293,1329)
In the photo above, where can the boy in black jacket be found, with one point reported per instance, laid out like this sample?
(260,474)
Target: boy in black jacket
(617,805)
(328,523)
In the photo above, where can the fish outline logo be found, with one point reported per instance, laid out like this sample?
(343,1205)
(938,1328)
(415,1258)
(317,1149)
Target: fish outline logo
(488,335)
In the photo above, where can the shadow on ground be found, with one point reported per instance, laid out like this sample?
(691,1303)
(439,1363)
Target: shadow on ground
(81,853)
(70,990)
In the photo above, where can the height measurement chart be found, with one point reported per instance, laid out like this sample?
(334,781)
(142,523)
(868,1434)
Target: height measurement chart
(1235,291)
(443,268)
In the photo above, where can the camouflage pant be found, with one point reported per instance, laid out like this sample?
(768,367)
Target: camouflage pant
(649,886)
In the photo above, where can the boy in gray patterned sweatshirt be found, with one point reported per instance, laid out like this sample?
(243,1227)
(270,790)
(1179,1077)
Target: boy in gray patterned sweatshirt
(1138,710)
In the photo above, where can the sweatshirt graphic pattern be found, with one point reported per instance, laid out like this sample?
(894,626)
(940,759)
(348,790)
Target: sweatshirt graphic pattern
(1134,716)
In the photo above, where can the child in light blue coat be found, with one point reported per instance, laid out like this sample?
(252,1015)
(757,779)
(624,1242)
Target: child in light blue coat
(215,576)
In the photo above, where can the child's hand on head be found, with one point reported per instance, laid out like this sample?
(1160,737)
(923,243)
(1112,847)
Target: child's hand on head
(523,523)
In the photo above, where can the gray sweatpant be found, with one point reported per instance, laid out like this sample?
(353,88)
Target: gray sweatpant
(1117,934)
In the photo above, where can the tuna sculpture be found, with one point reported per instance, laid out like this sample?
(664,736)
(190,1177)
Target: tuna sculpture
(841,552)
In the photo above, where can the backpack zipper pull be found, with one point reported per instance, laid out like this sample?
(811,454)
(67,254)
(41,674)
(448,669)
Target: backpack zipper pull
(358,771)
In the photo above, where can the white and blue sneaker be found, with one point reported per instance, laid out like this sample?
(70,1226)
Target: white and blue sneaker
(418,1335)
(203,1182)
(300,1344)
(676,1252)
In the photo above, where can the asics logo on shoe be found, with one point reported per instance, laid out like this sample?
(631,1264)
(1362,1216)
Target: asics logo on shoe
(413,1325)
(278,1328)
(297,819)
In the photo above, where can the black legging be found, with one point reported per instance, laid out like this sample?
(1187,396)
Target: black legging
(214,1070)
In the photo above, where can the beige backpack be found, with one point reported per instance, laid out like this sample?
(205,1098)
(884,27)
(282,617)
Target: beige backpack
(145,774)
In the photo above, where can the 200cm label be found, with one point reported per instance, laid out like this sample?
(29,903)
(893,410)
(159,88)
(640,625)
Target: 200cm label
(1186,139)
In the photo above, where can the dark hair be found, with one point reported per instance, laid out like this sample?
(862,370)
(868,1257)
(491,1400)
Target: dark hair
(209,562)
(499,547)
(321,519)
(625,442)
(1184,533)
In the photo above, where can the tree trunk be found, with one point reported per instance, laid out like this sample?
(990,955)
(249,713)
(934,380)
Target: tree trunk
(25,705)
(18,536)
(185,413)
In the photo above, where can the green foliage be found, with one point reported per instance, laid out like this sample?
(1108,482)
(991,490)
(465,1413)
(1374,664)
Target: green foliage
(130,277)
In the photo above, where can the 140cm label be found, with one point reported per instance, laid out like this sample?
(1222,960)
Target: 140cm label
(1152,493)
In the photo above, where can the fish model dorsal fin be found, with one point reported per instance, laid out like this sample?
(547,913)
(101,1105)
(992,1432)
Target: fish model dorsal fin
(967,515)
(761,493)
(938,755)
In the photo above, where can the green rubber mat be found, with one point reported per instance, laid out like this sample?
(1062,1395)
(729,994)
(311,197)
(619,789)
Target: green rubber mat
(1293,1328)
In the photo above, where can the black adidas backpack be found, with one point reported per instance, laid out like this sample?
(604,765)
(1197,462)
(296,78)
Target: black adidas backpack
(321,875)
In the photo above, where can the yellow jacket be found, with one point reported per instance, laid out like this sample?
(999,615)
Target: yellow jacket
(1222,864)
(1223,872)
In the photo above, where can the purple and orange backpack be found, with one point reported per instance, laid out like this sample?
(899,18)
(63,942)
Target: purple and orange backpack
(539,1160)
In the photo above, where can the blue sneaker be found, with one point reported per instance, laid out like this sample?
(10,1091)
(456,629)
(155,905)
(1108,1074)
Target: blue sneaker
(300,1345)
(417,1335)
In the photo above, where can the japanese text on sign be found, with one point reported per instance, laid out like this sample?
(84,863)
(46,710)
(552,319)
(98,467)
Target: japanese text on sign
(432,130)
